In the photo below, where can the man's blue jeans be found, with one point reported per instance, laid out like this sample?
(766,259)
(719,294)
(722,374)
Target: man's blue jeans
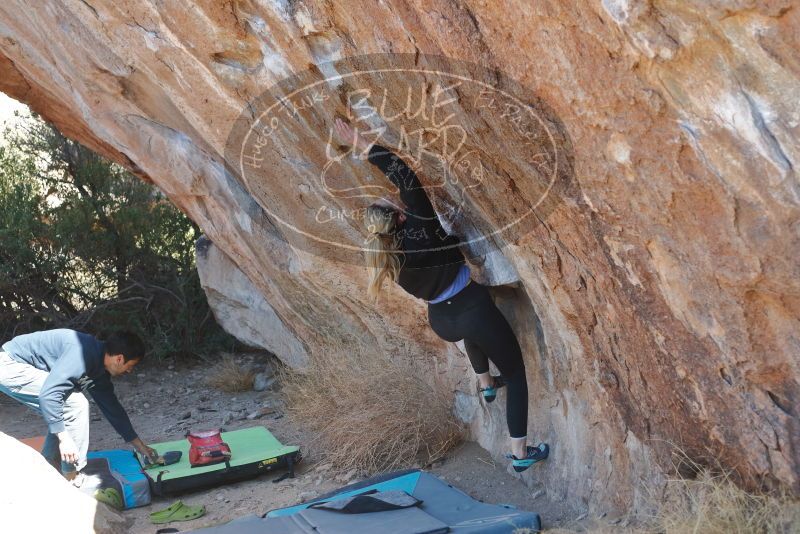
(23,382)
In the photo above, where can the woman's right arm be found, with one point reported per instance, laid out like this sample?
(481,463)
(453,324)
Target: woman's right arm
(412,193)
(420,212)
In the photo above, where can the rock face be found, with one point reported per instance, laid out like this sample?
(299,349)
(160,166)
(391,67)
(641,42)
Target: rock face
(656,292)
(31,481)
(240,308)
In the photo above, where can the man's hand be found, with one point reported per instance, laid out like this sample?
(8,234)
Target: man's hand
(148,452)
(151,454)
(69,451)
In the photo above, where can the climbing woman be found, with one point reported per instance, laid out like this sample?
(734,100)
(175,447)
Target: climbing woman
(408,245)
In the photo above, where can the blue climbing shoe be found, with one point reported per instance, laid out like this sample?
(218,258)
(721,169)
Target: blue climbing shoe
(490,393)
(535,454)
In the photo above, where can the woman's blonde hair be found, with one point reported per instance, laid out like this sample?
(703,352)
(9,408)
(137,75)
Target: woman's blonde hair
(383,253)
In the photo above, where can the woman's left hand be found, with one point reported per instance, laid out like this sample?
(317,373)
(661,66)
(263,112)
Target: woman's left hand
(347,135)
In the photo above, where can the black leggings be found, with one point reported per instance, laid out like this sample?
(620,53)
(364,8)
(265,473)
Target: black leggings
(471,315)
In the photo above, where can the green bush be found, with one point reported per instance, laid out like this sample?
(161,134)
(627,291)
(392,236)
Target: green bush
(86,245)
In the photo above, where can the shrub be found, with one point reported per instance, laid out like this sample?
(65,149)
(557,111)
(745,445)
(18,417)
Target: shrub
(228,375)
(712,503)
(708,502)
(371,412)
(89,246)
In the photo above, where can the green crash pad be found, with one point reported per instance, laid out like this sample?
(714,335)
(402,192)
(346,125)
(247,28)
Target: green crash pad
(253,451)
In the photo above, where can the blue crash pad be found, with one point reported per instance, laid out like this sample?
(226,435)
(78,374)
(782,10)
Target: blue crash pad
(118,469)
(443,509)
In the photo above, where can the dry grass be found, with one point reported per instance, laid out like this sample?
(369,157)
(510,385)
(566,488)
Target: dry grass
(229,376)
(370,412)
(709,503)
(713,504)
(593,526)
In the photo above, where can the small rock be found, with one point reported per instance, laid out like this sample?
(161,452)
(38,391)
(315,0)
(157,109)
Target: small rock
(220,496)
(457,479)
(146,405)
(265,410)
(186,415)
(536,494)
(227,418)
(170,367)
(260,382)
(203,398)
(307,496)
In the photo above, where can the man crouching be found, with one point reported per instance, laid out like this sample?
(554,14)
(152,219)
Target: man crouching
(45,370)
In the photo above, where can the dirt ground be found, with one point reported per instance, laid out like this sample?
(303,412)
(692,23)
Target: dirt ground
(167,399)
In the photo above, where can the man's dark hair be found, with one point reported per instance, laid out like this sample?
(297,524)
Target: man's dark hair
(128,344)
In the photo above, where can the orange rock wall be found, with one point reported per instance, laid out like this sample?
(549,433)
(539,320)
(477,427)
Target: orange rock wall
(658,303)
